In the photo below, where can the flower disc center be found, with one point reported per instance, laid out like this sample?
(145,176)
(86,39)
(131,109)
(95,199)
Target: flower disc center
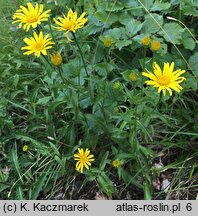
(32,18)
(39,46)
(69,25)
(163,80)
(83,159)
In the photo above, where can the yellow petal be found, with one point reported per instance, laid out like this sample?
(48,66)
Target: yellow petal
(67,36)
(149,75)
(157,69)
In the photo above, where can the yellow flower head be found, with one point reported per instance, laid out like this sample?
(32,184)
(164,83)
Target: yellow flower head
(84,159)
(107,42)
(146,41)
(70,23)
(166,79)
(117,85)
(116,163)
(56,58)
(38,44)
(132,77)
(30,16)
(155,45)
(25,148)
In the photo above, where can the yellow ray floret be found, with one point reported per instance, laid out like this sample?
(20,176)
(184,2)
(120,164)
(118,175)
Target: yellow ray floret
(70,23)
(168,79)
(84,159)
(30,16)
(37,44)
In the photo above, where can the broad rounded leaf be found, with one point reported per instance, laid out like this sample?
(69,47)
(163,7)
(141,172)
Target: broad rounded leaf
(193,62)
(172,32)
(152,23)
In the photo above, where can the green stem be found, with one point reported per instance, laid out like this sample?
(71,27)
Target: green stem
(59,71)
(159,101)
(81,54)
(180,10)
(144,61)
(50,26)
(61,76)
(42,56)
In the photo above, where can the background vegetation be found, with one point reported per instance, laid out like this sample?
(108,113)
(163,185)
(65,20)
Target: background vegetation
(155,143)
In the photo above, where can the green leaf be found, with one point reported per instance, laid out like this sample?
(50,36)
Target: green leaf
(133,27)
(44,100)
(19,194)
(105,183)
(193,62)
(147,191)
(111,6)
(189,43)
(190,9)
(61,162)
(20,106)
(152,23)
(129,3)
(104,17)
(144,129)
(160,6)
(147,3)
(125,156)
(115,33)
(40,147)
(54,148)
(53,106)
(15,162)
(39,184)
(128,179)
(16,80)
(104,160)
(3,186)
(103,68)
(173,33)
(191,81)
(92,27)
(147,151)
(123,43)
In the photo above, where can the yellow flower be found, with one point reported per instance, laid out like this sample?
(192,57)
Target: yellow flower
(56,58)
(38,44)
(84,158)
(107,42)
(116,163)
(155,45)
(117,85)
(166,80)
(70,23)
(30,16)
(132,77)
(146,41)
(25,148)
